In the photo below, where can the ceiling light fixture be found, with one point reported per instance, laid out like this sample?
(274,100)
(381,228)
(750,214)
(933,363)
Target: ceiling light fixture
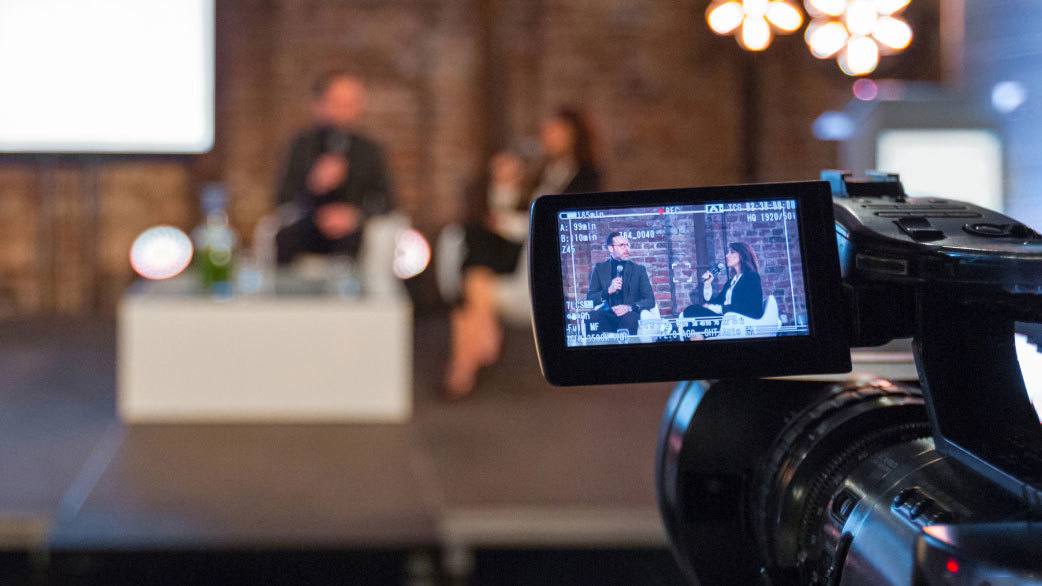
(857,32)
(754,22)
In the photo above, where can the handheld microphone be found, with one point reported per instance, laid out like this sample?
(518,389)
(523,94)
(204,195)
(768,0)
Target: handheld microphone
(338,142)
(715,270)
(618,273)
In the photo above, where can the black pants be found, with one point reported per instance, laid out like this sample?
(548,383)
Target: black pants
(487,249)
(608,322)
(706,330)
(303,236)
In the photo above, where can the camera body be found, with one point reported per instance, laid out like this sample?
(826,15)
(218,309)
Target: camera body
(788,481)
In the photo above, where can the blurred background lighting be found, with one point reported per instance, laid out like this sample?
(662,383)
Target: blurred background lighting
(818,8)
(1007,96)
(725,17)
(412,254)
(892,33)
(786,17)
(857,32)
(861,56)
(754,22)
(860,18)
(161,252)
(756,34)
(825,39)
(833,126)
(888,7)
(865,90)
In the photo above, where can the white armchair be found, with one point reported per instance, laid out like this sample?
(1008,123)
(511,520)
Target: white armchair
(265,230)
(651,325)
(512,299)
(376,257)
(734,325)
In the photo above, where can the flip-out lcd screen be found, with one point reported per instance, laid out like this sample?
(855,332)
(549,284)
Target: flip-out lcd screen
(682,273)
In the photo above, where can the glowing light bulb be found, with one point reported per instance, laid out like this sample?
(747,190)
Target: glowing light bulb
(888,7)
(826,39)
(786,17)
(892,33)
(861,57)
(754,22)
(725,17)
(756,34)
(756,8)
(861,18)
(827,7)
(161,252)
(857,32)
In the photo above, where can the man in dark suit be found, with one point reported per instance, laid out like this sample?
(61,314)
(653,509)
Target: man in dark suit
(619,289)
(334,176)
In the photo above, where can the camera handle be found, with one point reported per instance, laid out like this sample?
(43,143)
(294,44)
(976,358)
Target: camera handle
(978,406)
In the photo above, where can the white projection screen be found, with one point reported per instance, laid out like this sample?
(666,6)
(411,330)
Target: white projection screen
(106,76)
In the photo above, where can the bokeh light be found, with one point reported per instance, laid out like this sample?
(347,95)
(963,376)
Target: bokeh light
(826,38)
(753,22)
(412,254)
(1007,96)
(860,57)
(725,17)
(786,17)
(818,8)
(161,252)
(756,34)
(865,90)
(857,32)
(833,126)
(892,33)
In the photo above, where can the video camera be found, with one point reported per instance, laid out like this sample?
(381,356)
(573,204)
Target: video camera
(789,481)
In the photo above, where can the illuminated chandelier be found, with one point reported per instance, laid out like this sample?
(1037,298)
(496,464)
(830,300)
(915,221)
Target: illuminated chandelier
(753,22)
(856,32)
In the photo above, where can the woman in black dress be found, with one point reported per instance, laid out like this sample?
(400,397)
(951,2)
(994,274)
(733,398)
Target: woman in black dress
(743,292)
(495,233)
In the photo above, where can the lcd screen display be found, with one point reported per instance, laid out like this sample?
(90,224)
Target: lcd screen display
(678,274)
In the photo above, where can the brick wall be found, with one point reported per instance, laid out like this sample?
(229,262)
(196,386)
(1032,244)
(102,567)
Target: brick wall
(649,246)
(449,80)
(781,269)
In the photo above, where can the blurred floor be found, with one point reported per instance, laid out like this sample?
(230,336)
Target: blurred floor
(57,398)
(518,484)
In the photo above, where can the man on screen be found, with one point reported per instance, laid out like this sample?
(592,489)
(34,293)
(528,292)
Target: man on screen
(619,289)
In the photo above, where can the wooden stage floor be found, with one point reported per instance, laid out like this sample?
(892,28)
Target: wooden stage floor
(482,490)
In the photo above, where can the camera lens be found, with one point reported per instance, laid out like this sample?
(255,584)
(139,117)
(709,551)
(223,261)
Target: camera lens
(798,491)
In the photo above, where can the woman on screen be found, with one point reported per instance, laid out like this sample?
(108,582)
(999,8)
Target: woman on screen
(743,292)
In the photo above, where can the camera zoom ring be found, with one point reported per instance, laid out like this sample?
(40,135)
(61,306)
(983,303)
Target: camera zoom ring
(801,438)
(825,483)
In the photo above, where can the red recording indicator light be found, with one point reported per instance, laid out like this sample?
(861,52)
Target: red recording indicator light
(952,566)
(661,211)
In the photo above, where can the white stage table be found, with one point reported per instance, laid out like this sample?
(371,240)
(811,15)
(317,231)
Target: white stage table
(301,354)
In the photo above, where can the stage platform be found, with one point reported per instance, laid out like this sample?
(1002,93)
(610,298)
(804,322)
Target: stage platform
(519,472)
